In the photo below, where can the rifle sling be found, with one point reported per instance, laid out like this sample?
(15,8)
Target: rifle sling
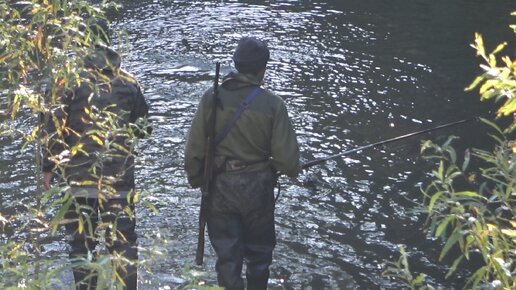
(232,122)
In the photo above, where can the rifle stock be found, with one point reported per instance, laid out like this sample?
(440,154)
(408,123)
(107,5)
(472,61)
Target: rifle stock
(208,172)
(199,253)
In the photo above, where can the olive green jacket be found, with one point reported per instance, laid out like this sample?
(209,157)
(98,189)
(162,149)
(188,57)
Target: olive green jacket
(263,137)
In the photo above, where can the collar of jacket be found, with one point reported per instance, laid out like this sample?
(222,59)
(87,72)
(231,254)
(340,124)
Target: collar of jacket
(235,80)
(103,58)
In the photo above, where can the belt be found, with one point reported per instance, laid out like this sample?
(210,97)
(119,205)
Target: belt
(234,165)
(92,192)
(229,165)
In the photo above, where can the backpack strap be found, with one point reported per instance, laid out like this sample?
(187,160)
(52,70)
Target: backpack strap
(243,106)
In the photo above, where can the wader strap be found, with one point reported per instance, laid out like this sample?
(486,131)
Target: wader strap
(247,101)
(278,185)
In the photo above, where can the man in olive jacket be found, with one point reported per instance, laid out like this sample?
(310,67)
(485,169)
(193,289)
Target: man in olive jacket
(261,143)
(90,149)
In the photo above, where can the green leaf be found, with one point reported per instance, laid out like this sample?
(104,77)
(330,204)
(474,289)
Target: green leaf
(488,85)
(419,279)
(467,158)
(454,266)
(15,106)
(493,125)
(499,47)
(453,155)
(476,82)
(449,141)
(77,148)
(489,94)
(150,206)
(471,194)
(434,198)
(508,108)
(510,233)
(476,277)
(453,174)
(440,172)
(58,217)
(52,192)
(442,226)
(469,240)
(492,60)
(426,144)
(498,139)
(479,45)
(452,240)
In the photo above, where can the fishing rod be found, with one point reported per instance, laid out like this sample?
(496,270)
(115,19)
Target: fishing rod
(324,159)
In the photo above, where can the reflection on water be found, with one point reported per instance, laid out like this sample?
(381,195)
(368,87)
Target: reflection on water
(352,73)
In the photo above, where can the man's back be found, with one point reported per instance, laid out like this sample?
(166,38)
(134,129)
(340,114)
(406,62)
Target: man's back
(99,130)
(239,209)
(261,138)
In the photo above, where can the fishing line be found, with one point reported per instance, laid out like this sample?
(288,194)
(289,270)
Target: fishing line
(358,149)
(380,143)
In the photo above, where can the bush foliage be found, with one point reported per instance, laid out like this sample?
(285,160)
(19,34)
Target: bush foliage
(472,207)
(42,46)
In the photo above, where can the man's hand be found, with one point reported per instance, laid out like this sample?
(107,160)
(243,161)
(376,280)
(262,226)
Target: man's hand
(47,177)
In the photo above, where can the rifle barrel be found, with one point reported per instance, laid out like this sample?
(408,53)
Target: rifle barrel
(208,171)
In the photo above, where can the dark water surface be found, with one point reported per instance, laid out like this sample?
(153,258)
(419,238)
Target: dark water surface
(351,73)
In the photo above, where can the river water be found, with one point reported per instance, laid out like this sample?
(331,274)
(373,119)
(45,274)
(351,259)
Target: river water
(352,73)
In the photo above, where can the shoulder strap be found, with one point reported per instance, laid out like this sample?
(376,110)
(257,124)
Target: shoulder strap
(247,101)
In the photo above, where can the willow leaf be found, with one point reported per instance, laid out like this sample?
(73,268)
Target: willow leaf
(452,240)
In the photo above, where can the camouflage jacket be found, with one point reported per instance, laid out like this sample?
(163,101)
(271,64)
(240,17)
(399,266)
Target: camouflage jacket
(263,137)
(91,133)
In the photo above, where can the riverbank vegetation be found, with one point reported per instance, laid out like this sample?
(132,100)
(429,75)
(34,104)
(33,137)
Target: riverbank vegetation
(470,202)
(42,48)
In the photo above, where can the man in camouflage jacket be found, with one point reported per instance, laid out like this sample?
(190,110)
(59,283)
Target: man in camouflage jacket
(89,148)
(260,144)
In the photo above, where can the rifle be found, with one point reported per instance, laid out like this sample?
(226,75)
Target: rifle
(208,169)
